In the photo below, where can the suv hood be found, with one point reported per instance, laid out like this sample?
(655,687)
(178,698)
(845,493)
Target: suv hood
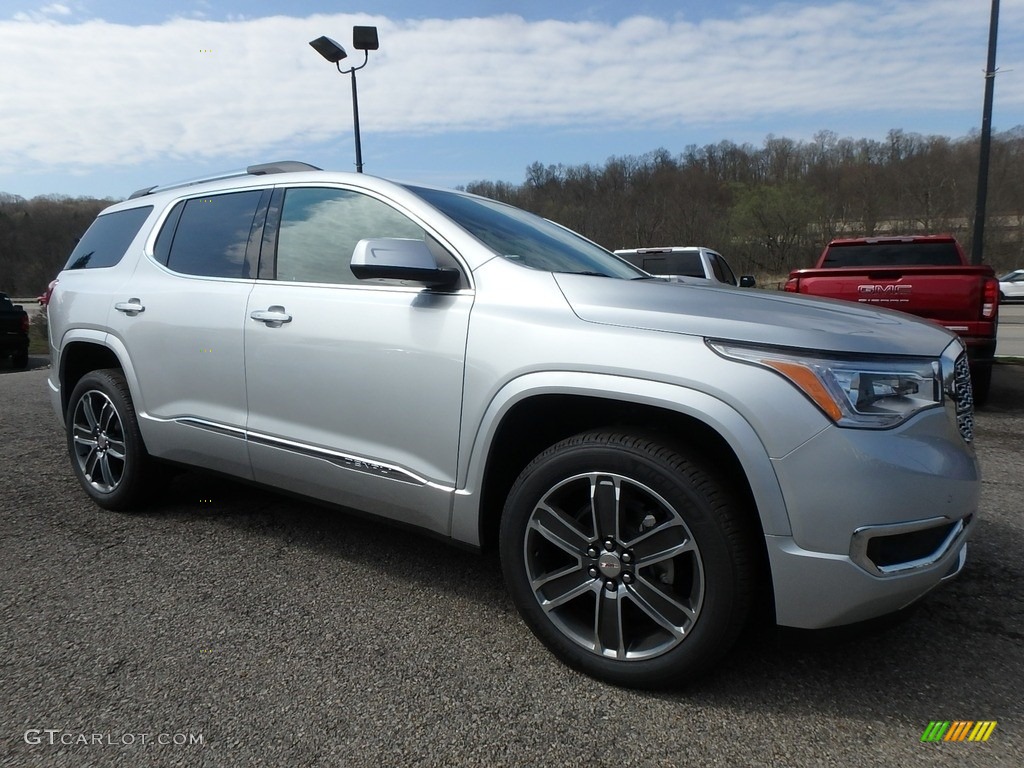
(746,315)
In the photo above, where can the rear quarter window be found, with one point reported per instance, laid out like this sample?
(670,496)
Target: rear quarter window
(107,240)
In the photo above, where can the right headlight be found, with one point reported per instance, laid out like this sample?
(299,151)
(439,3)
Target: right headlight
(869,393)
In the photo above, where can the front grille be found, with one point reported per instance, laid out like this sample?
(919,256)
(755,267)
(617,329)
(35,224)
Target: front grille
(963,398)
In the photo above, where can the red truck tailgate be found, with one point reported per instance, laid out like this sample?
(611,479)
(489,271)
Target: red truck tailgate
(938,293)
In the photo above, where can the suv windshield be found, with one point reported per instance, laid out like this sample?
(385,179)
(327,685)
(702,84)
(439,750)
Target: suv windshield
(525,238)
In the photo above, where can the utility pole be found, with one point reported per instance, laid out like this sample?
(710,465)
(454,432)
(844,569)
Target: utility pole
(986,139)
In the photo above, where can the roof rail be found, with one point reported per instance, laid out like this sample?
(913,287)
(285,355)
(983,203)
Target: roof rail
(284,166)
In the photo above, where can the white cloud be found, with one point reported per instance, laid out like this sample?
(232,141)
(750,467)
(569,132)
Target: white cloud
(97,94)
(44,13)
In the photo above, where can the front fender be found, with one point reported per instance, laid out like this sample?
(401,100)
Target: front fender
(719,416)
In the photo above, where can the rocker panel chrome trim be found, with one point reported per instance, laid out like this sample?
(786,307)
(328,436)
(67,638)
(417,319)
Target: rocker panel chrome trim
(343,460)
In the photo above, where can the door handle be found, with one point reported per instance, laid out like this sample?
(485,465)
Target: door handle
(274,316)
(132,307)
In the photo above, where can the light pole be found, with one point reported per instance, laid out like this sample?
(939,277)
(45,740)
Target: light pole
(363,39)
(977,247)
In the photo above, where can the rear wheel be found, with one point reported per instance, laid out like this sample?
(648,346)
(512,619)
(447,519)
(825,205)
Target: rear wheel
(627,559)
(104,442)
(20,359)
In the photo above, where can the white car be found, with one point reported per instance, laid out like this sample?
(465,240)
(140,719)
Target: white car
(1011,287)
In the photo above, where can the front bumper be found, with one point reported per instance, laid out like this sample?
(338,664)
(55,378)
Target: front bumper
(822,590)
(879,519)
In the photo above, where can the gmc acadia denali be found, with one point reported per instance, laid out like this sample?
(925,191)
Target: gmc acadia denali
(655,462)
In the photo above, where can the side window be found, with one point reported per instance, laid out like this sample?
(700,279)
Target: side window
(210,235)
(722,272)
(320,229)
(107,239)
(730,276)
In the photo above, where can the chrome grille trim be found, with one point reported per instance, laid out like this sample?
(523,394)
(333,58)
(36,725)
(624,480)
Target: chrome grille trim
(963,398)
(956,385)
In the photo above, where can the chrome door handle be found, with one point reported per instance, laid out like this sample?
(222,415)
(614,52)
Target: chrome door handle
(274,316)
(132,307)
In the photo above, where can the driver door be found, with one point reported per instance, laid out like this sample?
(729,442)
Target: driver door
(354,387)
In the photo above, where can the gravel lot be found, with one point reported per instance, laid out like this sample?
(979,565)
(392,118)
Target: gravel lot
(279,633)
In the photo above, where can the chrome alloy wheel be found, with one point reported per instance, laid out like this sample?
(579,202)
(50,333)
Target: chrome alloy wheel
(99,442)
(614,566)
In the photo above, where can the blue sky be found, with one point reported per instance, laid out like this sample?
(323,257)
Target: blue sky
(101,97)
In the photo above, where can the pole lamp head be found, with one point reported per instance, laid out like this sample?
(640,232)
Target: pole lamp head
(329,49)
(365,38)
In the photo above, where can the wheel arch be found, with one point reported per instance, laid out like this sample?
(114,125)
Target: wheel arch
(83,352)
(536,411)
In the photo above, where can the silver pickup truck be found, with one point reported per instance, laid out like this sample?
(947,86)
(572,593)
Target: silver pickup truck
(655,462)
(686,264)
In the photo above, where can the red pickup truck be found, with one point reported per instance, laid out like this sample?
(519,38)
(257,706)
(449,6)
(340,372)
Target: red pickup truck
(928,276)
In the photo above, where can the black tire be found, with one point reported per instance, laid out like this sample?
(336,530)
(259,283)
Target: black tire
(20,359)
(1002,297)
(106,448)
(981,383)
(663,545)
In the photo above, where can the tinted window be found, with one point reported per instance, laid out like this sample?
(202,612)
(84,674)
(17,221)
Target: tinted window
(320,229)
(686,263)
(106,241)
(162,249)
(722,272)
(728,276)
(893,255)
(212,234)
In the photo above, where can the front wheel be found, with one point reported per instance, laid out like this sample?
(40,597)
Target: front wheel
(104,442)
(627,559)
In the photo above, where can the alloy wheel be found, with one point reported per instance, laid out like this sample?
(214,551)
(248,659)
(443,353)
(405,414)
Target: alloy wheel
(614,566)
(98,440)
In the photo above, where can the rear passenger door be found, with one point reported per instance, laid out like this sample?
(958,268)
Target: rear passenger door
(354,387)
(182,320)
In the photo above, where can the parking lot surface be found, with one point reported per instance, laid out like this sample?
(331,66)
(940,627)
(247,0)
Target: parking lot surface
(229,626)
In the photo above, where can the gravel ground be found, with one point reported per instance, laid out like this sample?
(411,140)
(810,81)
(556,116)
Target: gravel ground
(277,633)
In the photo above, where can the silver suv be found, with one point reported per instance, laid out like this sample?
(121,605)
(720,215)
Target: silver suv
(655,462)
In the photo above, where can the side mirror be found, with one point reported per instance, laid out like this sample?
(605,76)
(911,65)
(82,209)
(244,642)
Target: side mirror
(747,281)
(397,258)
